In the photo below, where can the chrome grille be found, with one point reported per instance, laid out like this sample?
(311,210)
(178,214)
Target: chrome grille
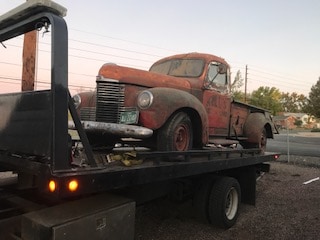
(110,101)
(88,113)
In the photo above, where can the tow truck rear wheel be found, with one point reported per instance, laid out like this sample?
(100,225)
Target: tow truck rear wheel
(176,134)
(216,200)
(224,201)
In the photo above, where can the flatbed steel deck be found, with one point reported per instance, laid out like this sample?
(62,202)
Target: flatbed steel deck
(155,167)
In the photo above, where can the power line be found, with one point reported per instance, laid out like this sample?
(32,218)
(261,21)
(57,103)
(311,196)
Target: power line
(136,59)
(101,60)
(258,76)
(96,59)
(253,72)
(47,69)
(120,39)
(275,79)
(115,48)
(294,89)
(18,81)
(274,75)
(106,54)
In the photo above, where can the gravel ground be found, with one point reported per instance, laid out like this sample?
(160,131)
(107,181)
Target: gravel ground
(285,209)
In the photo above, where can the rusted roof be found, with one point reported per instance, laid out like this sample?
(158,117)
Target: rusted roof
(196,55)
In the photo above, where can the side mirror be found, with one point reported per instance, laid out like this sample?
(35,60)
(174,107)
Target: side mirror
(222,68)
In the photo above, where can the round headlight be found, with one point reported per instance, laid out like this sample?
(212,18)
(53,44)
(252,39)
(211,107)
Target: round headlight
(77,100)
(145,99)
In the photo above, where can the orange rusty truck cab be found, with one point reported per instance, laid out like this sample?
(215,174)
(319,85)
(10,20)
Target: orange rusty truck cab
(182,102)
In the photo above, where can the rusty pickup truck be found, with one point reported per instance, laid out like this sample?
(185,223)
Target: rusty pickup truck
(183,102)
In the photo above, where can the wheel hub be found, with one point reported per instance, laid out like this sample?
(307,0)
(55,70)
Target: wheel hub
(231,204)
(181,138)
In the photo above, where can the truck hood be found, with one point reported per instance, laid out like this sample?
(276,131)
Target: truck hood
(143,78)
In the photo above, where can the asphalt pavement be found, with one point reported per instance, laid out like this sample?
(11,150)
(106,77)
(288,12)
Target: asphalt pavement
(297,147)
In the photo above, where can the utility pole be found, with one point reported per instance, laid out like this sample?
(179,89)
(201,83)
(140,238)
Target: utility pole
(245,84)
(29,61)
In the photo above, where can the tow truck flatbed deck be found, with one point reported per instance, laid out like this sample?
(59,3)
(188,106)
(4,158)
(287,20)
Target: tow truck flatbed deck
(155,167)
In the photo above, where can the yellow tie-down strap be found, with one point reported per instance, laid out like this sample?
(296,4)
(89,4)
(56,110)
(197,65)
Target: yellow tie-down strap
(127,158)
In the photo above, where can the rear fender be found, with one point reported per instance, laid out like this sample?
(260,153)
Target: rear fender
(254,125)
(167,101)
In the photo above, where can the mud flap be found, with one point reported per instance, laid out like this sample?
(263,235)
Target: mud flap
(247,180)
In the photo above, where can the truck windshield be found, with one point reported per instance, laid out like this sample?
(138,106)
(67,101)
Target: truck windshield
(180,67)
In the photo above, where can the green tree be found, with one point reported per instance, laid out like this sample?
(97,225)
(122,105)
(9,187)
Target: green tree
(268,98)
(238,95)
(237,83)
(313,105)
(293,102)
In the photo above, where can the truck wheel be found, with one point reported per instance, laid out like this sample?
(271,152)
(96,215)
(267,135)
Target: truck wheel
(201,198)
(224,201)
(262,144)
(263,141)
(176,134)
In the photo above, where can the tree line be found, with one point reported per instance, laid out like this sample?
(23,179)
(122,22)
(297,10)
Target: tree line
(276,101)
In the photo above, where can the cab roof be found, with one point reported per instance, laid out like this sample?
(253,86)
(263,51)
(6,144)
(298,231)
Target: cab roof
(195,55)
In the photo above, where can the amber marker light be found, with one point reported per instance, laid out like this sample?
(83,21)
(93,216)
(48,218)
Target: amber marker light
(73,185)
(52,186)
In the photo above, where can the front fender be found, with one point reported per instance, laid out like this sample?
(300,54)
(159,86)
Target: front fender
(254,125)
(166,101)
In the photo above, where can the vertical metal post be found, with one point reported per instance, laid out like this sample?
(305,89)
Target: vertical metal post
(60,95)
(288,141)
(245,84)
(59,78)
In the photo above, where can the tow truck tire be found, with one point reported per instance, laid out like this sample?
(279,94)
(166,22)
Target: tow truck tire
(201,198)
(224,202)
(176,134)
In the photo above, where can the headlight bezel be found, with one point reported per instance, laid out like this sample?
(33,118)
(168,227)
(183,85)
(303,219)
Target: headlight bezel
(145,99)
(76,100)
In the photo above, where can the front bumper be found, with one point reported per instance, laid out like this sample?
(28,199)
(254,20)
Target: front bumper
(120,130)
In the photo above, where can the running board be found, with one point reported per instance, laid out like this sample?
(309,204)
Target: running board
(227,141)
(223,141)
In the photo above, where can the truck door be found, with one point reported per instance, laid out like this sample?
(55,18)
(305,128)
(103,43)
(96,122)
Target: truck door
(217,100)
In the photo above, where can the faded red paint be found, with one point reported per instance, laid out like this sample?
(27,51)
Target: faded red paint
(239,115)
(207,102)
(88,99)
(218,110)
(142,78)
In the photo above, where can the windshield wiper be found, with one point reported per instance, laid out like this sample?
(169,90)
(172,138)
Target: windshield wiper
(3,45)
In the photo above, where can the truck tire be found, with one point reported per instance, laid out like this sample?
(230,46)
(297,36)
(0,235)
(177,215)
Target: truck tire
(224,202)
(201,198)
(262,144)
(176,134)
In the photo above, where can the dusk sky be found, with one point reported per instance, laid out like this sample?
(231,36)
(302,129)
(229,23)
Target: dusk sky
(278,40)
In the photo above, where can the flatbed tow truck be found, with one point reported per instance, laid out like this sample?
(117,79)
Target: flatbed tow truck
(63,191)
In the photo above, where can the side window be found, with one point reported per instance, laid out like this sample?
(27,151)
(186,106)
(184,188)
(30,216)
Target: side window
(214,78)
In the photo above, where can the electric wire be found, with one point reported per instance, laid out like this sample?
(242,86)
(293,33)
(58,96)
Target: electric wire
(254,73)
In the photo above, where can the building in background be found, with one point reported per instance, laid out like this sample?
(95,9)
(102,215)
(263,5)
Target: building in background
(293,120)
